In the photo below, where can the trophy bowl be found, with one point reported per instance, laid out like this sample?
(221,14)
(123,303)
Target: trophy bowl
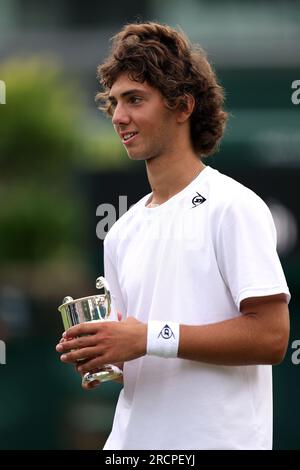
(93,308)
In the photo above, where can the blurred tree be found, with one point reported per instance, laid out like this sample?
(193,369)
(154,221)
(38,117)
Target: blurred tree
(38,125)
(39,146)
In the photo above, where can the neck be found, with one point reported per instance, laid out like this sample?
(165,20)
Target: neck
(168,175)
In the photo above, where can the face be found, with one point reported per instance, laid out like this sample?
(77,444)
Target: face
(141,119)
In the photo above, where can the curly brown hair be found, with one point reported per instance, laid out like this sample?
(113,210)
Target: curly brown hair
(166,60)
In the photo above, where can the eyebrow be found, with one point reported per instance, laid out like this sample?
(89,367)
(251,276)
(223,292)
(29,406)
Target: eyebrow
(133,91)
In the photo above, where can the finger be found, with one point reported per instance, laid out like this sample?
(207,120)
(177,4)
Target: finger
(78,355)
(60,347)
(78,364)
(86,328)
(90,385)
(131,320)
(63,339)
(76,343)
(94,364)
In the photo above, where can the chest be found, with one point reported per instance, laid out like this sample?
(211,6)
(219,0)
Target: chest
(165,245)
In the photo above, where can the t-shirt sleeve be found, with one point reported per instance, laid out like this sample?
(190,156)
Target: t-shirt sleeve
(110,275)
(246,249)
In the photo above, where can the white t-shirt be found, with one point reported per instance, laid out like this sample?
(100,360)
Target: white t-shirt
(192,260)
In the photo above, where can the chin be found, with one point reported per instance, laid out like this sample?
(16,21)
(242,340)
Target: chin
(137,157)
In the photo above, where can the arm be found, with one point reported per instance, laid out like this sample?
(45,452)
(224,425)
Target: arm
(258,336)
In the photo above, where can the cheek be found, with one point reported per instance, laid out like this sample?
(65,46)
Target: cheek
(157,126)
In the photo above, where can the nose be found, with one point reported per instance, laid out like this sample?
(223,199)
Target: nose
(120,115)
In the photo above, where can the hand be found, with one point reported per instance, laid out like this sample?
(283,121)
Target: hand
(85,385)
(103,343)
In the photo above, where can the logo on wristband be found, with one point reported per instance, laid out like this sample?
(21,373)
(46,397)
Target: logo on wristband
(166,332)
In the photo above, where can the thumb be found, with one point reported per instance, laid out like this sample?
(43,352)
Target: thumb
(132,320)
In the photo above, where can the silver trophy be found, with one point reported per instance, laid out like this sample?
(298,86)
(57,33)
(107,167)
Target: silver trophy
(93,308)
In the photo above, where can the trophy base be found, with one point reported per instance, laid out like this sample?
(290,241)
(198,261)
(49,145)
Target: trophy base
(104,375)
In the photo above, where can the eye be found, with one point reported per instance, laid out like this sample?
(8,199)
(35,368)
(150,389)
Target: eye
(135,99)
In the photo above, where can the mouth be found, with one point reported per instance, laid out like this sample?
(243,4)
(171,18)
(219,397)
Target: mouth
(128,137)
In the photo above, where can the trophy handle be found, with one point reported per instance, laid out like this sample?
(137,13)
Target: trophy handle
(101,283)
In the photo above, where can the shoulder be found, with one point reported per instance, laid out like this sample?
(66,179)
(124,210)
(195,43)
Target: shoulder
(229,195)
(234,207)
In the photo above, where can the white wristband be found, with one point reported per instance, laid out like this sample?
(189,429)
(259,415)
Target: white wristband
(163,338)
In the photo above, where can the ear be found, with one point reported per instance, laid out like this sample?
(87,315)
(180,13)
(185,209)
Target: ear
(186,105)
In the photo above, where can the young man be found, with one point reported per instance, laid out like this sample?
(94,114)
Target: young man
(192,266)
